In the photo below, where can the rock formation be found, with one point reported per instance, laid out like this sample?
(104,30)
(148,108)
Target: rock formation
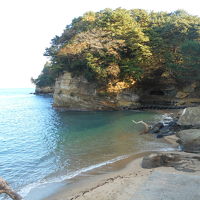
(189,140)
(190,117)
(44,90)
(182,161)
(76,93)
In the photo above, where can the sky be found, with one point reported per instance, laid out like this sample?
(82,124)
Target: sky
(27,27)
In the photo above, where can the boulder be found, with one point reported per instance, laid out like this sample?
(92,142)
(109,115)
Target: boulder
(190,117)
(189,140)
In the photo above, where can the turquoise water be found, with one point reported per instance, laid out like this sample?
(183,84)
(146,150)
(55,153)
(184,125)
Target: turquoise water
(40,144)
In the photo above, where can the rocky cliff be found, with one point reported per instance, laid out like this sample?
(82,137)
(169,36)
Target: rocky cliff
(164,91)
(44,90)
(76,93)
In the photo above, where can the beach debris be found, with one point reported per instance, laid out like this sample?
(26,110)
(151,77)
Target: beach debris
(5,188)
(146,126)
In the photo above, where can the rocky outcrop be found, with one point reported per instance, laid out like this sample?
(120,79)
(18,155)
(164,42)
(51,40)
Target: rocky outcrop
(186,127)
(165,92)
(179,160)
(167,126)
(189,140)
(76,93)
(159,92)
(44,90)
(190,117)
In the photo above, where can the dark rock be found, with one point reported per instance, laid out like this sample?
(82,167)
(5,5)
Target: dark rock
(156,128)
(165,128)
(161,135)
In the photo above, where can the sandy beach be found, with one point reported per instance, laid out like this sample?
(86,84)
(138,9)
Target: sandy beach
(121,184)
(134,182)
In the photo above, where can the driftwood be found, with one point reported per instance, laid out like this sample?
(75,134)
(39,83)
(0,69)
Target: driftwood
(146,126)
(5,188)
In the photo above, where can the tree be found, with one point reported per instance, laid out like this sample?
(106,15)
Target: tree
(122,45)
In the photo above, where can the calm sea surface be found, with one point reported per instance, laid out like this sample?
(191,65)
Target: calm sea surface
(40,145)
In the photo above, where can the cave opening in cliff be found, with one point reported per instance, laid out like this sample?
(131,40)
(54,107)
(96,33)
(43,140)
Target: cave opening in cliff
(157,92)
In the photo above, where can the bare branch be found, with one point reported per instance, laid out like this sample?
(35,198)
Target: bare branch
(145,125)
(5,188)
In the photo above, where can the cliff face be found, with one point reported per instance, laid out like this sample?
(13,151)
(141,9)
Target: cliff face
(44,90)
(169,93)
(76,93)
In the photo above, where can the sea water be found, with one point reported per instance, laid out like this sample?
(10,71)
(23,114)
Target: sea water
(40,144)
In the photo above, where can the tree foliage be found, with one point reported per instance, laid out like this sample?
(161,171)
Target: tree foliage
(115,45)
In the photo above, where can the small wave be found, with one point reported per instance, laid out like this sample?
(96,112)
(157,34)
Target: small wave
(168,149)
(25,190)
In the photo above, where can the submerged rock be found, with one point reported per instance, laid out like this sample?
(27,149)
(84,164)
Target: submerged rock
(189,140)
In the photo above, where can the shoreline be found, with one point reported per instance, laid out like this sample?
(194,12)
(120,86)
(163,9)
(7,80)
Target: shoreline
(107,184)
(94,183)
(109,180)
(102,175)
(137,182)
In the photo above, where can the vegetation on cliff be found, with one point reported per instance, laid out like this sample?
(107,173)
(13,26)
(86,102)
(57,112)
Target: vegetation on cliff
(123,45)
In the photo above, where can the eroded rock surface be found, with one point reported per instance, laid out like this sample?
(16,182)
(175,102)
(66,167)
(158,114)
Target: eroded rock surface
(189,140)
(190,117)
(162,185)
(181,161)
(44,90)
(76,93)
